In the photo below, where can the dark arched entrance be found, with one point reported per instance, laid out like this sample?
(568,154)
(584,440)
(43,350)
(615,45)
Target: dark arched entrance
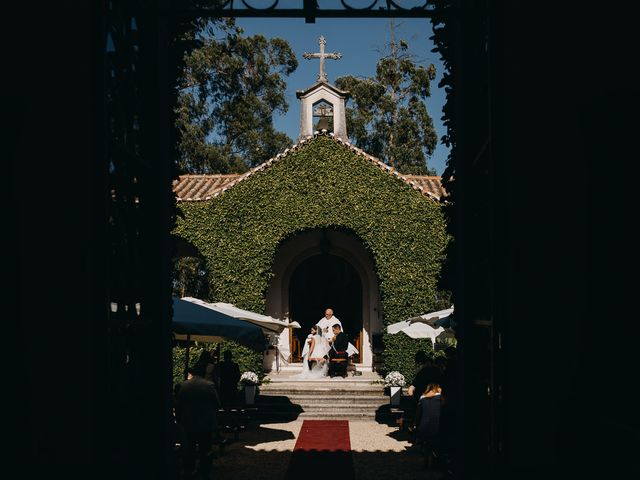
(326,281)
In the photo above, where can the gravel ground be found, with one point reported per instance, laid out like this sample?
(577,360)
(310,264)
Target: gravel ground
(379,452)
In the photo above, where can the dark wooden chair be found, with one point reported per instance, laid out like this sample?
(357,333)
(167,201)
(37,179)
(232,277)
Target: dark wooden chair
(232,420)
(338,366)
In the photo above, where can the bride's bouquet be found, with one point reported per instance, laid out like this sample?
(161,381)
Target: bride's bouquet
(394,379)
(249,378)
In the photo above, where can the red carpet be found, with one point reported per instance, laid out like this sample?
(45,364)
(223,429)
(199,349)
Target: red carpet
(323,450)
(330,435)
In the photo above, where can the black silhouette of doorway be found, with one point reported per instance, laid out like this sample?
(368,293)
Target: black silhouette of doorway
(326,281)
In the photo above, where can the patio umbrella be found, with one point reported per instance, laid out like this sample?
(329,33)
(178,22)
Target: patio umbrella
(196,322)
(398,327)
(421,326)
(428,318)
(441,318)
(434,316)
(268,324)
(416,330)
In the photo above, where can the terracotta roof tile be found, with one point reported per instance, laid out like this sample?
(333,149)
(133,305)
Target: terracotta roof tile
(193,188)
(429,183)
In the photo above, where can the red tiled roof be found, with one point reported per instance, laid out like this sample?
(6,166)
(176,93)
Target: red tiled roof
(431,184)
(193,188)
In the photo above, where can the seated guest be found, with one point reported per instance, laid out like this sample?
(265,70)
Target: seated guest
(427,373)
(338,355)
(428,422)
(196,406)
(228,377)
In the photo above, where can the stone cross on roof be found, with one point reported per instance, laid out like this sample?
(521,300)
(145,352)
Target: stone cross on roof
(322,77)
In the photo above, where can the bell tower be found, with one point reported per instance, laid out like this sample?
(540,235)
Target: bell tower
(322,106)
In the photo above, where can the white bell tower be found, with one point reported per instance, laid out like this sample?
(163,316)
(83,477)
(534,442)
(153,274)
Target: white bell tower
(322,100)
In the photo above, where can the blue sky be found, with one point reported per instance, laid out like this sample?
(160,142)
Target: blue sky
(360,42)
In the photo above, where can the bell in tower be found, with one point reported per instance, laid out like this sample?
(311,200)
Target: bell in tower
(323,116)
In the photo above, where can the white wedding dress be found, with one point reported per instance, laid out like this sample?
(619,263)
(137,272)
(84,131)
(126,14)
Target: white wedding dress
(320,349)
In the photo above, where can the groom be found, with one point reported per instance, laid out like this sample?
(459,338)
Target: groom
(338,355)
(326,324)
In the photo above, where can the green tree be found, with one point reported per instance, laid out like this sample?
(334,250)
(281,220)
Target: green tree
(389,117)
(189,277)
(230,88)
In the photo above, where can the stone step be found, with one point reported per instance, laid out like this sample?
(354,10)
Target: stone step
(296,409)
(327,414)
(285,409)
(322,386)
(321,393)
(344,387)
(337,415)
(339,408)
(300,406)
(332,383)
(318,407)
(267,401)
(328,381)
(328,396)
(320,415)
(296,369)
(338,399)
(363,377)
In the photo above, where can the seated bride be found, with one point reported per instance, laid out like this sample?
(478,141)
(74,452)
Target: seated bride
(315,349)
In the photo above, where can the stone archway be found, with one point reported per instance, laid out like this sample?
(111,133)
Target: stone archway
(300,256)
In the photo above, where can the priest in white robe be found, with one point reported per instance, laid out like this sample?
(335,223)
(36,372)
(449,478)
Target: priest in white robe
(326,322)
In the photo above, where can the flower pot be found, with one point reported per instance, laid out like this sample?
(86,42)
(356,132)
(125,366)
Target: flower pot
(249,394)
(395,393)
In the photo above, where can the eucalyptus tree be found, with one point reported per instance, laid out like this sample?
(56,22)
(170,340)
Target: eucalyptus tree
(230,88)
(388,116)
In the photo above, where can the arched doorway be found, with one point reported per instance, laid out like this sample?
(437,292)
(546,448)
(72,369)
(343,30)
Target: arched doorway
(321,268)
(326,281)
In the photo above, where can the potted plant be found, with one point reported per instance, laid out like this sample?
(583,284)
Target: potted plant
(249,381)
(394,381)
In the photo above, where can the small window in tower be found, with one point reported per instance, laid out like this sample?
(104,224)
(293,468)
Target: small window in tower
(323,116)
